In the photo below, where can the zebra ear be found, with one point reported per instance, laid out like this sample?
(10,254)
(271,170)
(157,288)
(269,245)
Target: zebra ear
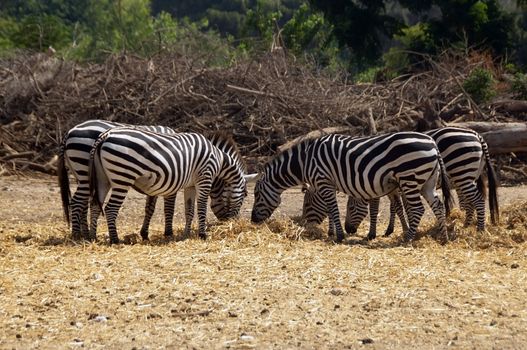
(251,177)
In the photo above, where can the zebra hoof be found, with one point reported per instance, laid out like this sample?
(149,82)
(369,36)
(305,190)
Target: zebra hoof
(203,236)
(339,238)
(169,233)
(114,241)
(408,237)
(388,232)
(371,236)
(350,229)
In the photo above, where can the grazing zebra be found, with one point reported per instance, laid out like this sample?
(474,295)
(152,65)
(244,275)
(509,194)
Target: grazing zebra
(74,154)
(161,165)
(465,155)
(363,168)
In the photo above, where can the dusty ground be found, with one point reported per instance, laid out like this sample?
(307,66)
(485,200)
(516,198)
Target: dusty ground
(268,286)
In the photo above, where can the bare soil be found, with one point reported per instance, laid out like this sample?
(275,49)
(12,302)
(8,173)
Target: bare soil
(269,286)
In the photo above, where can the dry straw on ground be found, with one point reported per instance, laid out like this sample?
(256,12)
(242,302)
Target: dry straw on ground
(276,285)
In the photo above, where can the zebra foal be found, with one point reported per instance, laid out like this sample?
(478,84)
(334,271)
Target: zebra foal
(161,165)
(364,168)
(466,157)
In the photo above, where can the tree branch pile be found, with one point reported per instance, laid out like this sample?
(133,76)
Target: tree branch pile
(265,102)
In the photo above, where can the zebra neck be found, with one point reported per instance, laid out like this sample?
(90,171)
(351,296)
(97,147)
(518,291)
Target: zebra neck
(287,170)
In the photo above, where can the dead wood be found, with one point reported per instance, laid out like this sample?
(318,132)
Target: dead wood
(265,102)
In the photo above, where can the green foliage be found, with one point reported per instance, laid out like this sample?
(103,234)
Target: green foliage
(519,86)
(413,41)
(366,27)
(369,75)
(302,30)
(480,85)
(262,22)
(8,27)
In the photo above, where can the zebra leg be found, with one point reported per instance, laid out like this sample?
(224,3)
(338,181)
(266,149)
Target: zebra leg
(331,228)
(391,223)
(95,211)
(415,210)
(330,197)
(474,200)
(79,211)
(169,205)
(356,211)
(150,207)
(111,210)
(202,196)
(437,207)
(465,205)
(374,210)
(396,207)
(190,198)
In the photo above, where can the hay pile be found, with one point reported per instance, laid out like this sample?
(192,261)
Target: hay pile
(277,285)
(265,102)
(270,286)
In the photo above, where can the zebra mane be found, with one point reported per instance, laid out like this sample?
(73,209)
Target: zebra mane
(303,142)
(224,141)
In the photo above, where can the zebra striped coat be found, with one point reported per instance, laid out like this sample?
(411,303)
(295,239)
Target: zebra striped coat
(465,155)
(364,168)
(74,154)
(161,165)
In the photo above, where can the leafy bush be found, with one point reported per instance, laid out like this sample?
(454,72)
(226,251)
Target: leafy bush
(368,76)
(519,86)
(412,39)
(480,85)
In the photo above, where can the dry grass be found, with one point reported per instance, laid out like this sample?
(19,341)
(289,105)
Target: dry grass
(270,286)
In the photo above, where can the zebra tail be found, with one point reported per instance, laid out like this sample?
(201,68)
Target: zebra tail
(92,172)
(492,186)
(64,181)
(445,186)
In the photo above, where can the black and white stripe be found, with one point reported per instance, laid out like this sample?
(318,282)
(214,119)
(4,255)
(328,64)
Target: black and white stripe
(161,165)
(74,155)
(466,159)
(363,168)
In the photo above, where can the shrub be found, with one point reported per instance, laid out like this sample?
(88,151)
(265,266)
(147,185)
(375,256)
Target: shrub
(480,85)
(519,86)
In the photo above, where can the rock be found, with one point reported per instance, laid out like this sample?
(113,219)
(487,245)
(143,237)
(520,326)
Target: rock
(366,341)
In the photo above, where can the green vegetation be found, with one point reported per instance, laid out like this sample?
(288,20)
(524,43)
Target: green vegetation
(480,85)
(384,36)
(519,86)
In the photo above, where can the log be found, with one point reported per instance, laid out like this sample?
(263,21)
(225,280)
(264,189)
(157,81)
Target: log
(511,106)
(501,137)
(313,134)
(483,127)
(506,140)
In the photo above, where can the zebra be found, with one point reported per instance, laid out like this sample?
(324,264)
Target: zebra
(466,156)
(161,165)
(363,168)
(74,154)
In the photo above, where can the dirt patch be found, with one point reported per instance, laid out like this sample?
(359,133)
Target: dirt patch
(269,286)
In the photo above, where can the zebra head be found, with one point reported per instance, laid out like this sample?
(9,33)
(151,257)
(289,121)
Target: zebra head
(266,199)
